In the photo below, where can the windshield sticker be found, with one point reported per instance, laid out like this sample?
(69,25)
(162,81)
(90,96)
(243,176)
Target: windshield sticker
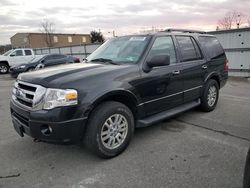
(137,38)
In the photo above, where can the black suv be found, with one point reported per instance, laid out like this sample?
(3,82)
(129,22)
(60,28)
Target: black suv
(130,81)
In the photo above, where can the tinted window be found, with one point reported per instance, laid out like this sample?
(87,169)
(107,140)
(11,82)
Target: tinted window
(19,53)
(27,52)
(187,48)
(164,46)
(59,56)
(212,46)
(197,49)
(50,57)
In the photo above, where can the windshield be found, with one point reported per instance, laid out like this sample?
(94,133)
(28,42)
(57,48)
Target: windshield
(37,58)
(7,53)
(127,49)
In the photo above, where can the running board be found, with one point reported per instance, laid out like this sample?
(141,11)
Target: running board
(167,114)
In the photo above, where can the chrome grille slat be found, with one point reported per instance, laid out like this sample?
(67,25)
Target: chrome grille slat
(28,95)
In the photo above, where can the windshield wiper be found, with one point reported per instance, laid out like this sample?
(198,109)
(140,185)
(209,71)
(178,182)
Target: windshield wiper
(104,60)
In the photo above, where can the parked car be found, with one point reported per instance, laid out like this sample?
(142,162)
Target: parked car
(15,57)
(130,81)
(246,183)
(42,61)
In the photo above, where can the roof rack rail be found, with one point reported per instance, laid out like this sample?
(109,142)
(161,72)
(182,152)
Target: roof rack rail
(185,31)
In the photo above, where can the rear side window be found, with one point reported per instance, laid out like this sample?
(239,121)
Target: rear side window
(27,52)
(189,50)
(50,57)
(212,47)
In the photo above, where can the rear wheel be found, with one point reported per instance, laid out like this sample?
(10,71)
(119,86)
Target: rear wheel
(39,66)
(110,129)
(4,68)
(210,96)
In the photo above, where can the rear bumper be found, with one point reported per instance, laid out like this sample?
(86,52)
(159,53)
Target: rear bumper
(60,131)
(223,82)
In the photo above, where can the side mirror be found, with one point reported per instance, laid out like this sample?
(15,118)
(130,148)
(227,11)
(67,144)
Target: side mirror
(12,55)
(156,61)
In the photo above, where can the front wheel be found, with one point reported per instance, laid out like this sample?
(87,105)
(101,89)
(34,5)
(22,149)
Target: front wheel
(210,96)
(4,69)
(110,129)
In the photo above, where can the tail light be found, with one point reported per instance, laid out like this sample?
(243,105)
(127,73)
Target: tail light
(226,65)
(77,60)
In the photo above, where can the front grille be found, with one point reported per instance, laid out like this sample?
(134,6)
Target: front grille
(27,94)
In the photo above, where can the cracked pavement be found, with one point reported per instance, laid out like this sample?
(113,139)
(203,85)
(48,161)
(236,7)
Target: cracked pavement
(194,149)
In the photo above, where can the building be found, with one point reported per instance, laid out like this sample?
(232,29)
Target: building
(42,40)
(236,43)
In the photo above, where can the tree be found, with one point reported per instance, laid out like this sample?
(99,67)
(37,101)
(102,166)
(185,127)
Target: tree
(47,28)
(231,19)
(96,37)
(227,21)
(238,18)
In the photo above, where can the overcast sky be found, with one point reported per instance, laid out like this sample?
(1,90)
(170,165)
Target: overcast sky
(123,16)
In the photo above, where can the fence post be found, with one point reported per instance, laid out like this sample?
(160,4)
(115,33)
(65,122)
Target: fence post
(85,51)
(71,50)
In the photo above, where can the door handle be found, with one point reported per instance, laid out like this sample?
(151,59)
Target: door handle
(204,66)
(176,72)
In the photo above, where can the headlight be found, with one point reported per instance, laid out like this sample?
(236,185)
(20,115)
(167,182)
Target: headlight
(21,67)
(59,97)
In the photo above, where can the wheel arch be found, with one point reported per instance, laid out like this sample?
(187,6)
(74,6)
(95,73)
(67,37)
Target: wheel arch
(5,62)
(215,76)
(123,96)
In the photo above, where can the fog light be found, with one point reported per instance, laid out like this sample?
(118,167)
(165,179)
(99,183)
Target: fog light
(46,130)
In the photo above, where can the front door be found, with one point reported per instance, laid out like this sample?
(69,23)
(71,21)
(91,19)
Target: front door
(17,57)
(161,88)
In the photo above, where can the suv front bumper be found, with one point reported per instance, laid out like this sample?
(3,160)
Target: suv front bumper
(40,124)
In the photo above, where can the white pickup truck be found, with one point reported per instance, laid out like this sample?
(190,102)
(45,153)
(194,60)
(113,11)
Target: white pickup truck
(15,57)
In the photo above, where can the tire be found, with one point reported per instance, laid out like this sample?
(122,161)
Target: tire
(4,68)
(39,66)
(210,96)
(30,69)
(246,179)
(100,139)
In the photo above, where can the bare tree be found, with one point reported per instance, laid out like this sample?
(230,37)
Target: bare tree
(248,22)
(238,18)
(231,19)
(227,21)
(47,28)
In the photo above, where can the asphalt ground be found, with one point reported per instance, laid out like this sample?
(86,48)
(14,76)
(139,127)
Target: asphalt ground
(194,149)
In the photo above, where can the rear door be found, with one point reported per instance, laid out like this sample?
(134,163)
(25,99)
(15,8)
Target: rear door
(194,67)
(215,54)
(161,88)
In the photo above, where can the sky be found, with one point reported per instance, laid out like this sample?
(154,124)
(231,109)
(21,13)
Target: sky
(122,16)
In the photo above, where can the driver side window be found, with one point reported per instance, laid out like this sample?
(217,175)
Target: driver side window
(17,53)
(164,46)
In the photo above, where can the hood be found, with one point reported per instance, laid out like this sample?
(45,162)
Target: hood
(15,66)
(66,75)
(2,57)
